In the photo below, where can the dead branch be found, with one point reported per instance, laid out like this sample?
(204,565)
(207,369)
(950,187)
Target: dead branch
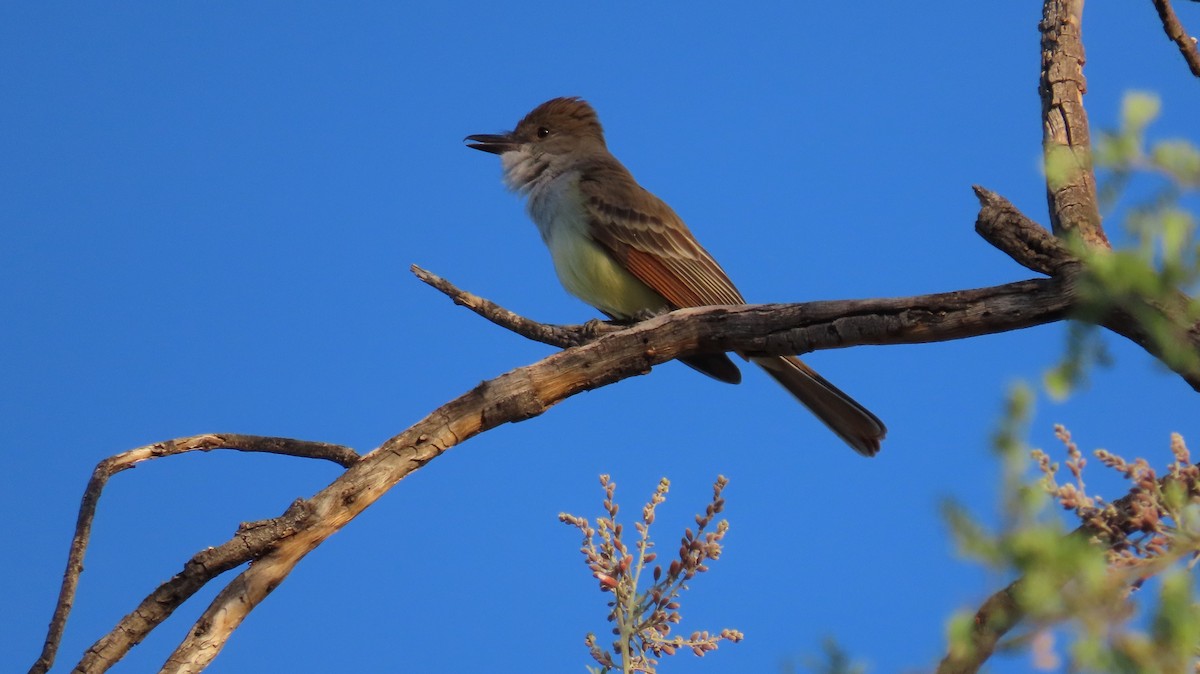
(1025,241)
(529,391)
(562,336)
(1034,248)
(104,470)
(1066,140)
(605,354)
(1177,34)
(277,545)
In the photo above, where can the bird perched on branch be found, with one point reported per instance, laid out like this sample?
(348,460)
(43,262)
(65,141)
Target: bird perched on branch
(624,251)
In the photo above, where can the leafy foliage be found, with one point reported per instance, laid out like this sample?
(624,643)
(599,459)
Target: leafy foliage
(1142,185)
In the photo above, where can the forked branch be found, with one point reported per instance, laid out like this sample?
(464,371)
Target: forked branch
(207,564)
(1071,195)
(607,354)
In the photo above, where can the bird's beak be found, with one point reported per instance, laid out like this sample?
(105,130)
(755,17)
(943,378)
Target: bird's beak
(494,143)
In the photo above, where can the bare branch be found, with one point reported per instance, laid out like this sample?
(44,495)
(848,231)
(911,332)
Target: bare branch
(1033,247)
(526,392)
(231,606)
(1005,227)
(251,541)
(1175,31)
(1066,140)
(616,353)
(554,335)
(343,456)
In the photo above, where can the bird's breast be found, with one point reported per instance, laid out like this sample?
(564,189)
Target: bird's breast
(584,267)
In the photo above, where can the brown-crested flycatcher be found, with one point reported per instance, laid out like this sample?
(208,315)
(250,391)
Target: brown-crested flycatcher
(622,250)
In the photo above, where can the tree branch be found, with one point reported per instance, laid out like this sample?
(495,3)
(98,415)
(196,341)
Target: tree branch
(1025,241)
(617,353)
(104,470)
(1001,612)
(1071,193)
(1181,327)
(1002,225)
(1175,31)
(1066,141)
(277,545)
(562,336)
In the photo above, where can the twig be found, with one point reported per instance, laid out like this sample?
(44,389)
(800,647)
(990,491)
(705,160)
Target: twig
(104,470)
(555,335)
(1175,31)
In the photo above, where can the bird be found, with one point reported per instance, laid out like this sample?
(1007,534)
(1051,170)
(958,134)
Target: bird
(624,251)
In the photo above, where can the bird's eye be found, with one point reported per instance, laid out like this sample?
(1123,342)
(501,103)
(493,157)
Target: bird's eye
(543,132)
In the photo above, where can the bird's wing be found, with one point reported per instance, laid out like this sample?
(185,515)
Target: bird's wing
(647,238)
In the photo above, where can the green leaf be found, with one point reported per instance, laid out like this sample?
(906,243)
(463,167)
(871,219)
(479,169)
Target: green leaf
(1178,230)
(1176,626)
(1058,382)
(958,633)
(1138,109)
(1179,159)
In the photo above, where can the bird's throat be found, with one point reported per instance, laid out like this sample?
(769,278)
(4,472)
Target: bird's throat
(523,171)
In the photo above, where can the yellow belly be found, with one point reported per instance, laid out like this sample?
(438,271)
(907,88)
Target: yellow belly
(589,273)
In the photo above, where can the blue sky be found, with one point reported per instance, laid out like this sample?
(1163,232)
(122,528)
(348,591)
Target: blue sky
(208,219)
